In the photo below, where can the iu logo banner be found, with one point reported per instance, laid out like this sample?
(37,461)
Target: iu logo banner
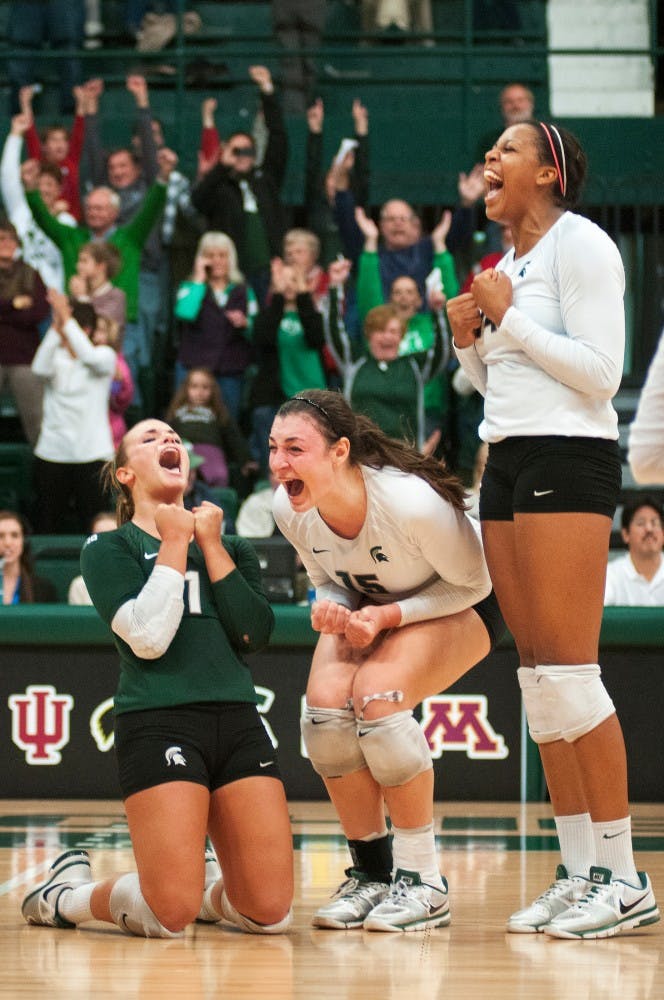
(40,723)
(461,722)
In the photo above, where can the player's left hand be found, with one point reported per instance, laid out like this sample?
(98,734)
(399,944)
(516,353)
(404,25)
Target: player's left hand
(492,292)
(363,627)
(208,521)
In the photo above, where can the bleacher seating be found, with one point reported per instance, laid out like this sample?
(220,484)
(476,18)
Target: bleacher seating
(57,557)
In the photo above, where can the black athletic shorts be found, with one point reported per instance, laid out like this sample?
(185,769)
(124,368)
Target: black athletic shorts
(550,474)
(210,744)
(489,612)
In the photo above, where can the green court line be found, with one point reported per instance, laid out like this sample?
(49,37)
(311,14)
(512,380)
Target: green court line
(471,823)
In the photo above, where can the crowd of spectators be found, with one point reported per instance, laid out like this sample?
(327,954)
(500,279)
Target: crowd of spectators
(109,315)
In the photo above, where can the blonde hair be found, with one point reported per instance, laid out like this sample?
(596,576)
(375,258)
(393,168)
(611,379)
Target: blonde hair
(220,241)
(113,331)
(303,236)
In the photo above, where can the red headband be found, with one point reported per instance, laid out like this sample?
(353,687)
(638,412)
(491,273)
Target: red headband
(562,173)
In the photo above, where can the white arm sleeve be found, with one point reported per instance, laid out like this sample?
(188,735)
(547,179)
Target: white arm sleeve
(473,366)
(43,363)
(453,546)
(646,434)
(148,623)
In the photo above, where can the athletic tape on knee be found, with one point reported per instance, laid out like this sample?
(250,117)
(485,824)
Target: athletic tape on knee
(395,748)
(330,737)
(250,926)
(575,697)
(132,914)
(535,708)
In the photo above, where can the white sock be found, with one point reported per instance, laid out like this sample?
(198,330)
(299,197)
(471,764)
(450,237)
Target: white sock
(415,851)
(613,848)
(74,905)
(208,912)
(577,843)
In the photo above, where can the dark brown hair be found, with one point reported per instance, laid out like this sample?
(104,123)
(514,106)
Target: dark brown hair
(216,403)
(575,161)
(26,565)
(369,445)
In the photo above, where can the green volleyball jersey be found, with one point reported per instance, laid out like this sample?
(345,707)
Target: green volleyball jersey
(221,621)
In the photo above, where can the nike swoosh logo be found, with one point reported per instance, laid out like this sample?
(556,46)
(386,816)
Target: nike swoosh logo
(317,552)
(363,732)
(150,555)
(541,493)
(265,763)
(612,836)
(626,909)
(320,722)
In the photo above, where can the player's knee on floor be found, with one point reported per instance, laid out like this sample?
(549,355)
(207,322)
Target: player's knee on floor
(251,926)
(133,915)
(331,740)
(394,747)
(574,696)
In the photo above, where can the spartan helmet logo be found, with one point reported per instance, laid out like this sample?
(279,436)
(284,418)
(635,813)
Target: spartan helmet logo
(174,756)
(377,554)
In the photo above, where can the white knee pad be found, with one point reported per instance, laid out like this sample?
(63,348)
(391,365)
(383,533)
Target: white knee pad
(250,926)
(535,707)
(395,748)
(330,737)
(575,698)
(132,914)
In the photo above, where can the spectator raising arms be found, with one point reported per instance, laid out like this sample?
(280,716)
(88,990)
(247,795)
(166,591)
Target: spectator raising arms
(243,200)
(75,438)
(37,249)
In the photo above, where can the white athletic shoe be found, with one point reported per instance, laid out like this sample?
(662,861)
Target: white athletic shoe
(206,914)
(609,907)
(352,902)
(411,905)
(560,895)
(40,906)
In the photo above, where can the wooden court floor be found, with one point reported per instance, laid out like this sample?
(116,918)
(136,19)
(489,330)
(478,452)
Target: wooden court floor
(497,856)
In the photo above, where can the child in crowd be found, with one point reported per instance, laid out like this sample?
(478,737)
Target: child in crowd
(107,331)
(198,412)
(98,263)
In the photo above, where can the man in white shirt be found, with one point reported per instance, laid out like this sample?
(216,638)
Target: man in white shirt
(637,578)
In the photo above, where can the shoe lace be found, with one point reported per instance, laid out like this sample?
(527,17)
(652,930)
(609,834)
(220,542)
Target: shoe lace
(594,895)
(555,889)
(354,888)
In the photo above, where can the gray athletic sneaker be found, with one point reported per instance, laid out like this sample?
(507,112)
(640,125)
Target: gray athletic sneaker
(411,905)
(40,906)
(351,903)
(560,895)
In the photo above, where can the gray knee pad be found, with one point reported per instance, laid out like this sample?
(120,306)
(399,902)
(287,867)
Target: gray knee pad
(575,697)
(132,914)
(250,926)
(535,707)
(395,748)
(330,737)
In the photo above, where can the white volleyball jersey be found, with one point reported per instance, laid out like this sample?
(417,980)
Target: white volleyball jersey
(414,549)
(555,362)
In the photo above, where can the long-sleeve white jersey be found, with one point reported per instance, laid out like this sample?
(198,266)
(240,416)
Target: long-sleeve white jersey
(646,434)
(414,549)
(555,362)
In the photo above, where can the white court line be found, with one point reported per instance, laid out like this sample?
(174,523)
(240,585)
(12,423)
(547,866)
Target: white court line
(25,877)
